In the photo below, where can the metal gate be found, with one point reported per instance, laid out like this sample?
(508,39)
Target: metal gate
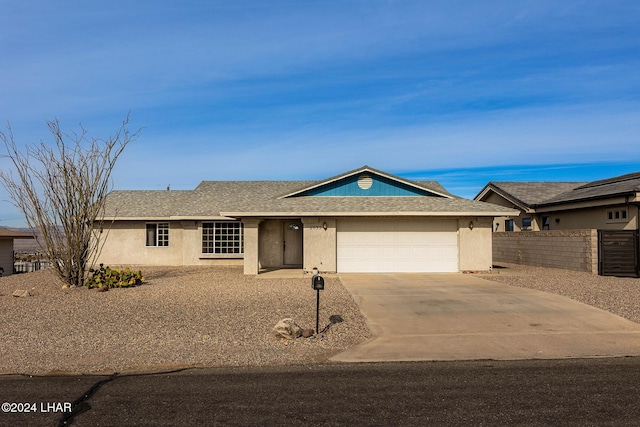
(618,253)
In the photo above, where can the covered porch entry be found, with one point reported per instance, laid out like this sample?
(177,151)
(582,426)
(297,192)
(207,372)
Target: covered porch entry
(301,243)
(280,244)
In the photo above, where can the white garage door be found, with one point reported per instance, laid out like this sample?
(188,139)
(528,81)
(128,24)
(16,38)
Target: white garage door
(397,245)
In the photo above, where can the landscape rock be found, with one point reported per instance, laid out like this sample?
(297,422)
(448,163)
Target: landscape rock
(161,326)
(307,333)
(21,293)
(287,328)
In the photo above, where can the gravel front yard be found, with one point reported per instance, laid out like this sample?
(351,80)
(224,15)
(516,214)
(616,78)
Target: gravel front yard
(201,316)
(182,317)
(617,295)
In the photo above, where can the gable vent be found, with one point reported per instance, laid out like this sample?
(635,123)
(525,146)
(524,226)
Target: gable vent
(365,182)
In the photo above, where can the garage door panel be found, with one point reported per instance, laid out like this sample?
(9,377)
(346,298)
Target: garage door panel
(405,245)
(408,250)
(442,251)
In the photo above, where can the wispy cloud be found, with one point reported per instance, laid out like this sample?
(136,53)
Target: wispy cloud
(289,90)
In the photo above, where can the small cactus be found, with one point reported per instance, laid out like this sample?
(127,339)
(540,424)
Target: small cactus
(106,277)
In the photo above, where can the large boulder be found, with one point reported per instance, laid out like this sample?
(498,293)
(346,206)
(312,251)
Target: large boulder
(287,328)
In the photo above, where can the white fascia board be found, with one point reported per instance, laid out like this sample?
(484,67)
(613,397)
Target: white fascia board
(136,218)
(377,214)
(170,218)
(201,218)
(407,182)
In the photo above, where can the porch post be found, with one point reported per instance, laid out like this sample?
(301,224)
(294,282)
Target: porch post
(251,260)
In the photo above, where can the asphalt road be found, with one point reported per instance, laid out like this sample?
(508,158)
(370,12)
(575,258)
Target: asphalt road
(540,392)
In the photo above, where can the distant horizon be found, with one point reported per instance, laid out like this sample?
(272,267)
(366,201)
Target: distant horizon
(466,183)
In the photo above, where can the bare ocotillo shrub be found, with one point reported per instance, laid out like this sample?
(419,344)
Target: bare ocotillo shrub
(61,189)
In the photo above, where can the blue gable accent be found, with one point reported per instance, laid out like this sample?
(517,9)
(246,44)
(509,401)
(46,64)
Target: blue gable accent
(380,186)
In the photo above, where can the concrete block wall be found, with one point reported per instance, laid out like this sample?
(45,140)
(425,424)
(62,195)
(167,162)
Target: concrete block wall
(567,249)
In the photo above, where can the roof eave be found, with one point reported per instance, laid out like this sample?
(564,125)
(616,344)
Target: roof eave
(372,213)
(505,195)
(168,218)
(630,197)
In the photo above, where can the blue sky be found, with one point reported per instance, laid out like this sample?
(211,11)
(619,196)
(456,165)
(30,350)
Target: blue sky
(459,91)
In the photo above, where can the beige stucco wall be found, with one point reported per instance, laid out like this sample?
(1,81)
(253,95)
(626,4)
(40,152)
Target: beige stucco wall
(191,243)
(474,253)
(566,249)
(499,222)
(574,219)
(498,200)
(596,218)
(251,248)
(125,244)
(319,245)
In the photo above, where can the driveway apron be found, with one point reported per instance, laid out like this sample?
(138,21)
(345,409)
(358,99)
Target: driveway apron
(462,317)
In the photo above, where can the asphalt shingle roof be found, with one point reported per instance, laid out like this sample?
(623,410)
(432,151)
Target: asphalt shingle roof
(532,193)
(619,185)
(212,199)
(538,194)
(384,205)
(145,203)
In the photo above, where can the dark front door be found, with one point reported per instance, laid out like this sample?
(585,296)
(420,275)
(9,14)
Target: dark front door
(292,244)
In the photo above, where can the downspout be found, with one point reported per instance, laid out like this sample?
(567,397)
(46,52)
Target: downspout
(637,241)
(637,206)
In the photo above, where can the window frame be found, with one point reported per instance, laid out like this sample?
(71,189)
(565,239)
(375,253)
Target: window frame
(222,239)
(509,225)
(160,234)
(617,215)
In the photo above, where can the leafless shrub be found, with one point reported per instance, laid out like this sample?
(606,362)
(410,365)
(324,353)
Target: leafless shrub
(61,189)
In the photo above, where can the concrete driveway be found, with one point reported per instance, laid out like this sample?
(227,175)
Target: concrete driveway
(463,317)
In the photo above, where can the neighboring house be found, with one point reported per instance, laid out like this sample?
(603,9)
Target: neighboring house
(609,204)
(7,237)
(364,220)
(523,196)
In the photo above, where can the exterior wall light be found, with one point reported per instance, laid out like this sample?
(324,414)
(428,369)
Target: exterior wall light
(324,226)
(470,225)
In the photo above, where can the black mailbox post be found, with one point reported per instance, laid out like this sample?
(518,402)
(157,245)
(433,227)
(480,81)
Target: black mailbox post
(317,283)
